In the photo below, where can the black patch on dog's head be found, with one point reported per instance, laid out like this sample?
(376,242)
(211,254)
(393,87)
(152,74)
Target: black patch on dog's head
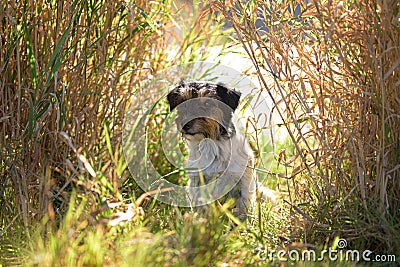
(228,96)
(172,98)
(185,91)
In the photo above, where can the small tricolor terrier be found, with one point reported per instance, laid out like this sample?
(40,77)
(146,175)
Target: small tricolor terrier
(215,146)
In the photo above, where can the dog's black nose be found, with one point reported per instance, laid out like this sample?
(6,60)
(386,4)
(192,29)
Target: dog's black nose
(187,126)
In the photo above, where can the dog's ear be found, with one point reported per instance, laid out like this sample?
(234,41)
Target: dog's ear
(228,96)
(172,98)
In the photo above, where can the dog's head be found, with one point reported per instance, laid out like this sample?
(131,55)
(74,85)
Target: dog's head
(204,109)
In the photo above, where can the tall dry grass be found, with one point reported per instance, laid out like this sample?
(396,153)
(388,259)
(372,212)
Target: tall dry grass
(67,70)
(65,66)
(332,71)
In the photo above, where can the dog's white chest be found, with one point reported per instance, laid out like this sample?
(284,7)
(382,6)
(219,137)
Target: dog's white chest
(211,158)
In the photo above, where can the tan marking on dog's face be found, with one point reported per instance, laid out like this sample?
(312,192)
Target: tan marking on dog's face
(208,126)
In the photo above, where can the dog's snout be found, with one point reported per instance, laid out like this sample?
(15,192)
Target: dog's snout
(188,125)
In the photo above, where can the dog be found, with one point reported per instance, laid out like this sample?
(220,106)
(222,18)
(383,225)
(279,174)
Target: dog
(216,148)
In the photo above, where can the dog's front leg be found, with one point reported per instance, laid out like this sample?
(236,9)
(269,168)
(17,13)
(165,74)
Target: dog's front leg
(247,193)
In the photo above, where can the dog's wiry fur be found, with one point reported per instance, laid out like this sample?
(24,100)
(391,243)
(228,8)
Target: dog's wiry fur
(214,140)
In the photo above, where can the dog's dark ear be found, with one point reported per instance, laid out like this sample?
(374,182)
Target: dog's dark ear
(172,98)
(228,96)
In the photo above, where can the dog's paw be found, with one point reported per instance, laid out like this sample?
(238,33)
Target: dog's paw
(267,194)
